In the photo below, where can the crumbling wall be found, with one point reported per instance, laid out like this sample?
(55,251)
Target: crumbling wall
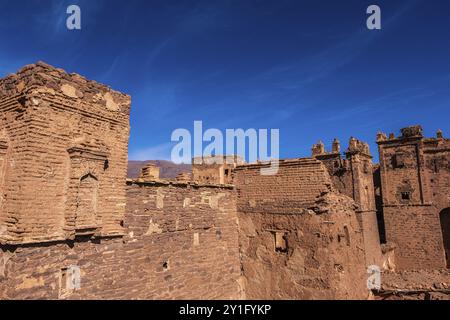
(415,285)
(299,239)
(181,243)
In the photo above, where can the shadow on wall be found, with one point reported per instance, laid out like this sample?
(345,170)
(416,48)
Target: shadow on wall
(445,225)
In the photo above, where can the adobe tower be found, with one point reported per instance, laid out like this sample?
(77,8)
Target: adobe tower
(415,181)
(63,156)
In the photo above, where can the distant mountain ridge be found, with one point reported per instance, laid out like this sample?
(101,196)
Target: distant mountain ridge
(168,169)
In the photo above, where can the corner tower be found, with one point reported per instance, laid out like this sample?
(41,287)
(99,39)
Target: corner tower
(415,180)
(353,176)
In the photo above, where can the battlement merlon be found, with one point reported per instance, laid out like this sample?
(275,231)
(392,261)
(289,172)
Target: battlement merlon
(355,146)
(150,171)
(318,149)
(411,133)
(40,82)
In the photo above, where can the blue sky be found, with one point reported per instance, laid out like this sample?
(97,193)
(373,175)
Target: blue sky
(309,68)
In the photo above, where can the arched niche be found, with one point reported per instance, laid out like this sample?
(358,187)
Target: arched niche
(88,165)
(86,203)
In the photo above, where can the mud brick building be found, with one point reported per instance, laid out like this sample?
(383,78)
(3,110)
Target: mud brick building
(215,169)
(72,226)
(150,171)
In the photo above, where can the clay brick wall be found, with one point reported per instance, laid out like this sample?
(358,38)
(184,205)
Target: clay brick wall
(296,186)
(415,232)
(195,229)
(65,162)
(299,239)
(181,243)
(340,172)
(213,173)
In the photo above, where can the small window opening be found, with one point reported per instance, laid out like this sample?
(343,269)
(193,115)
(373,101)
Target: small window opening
(437,164)
(366,167)
(70,280)
(398,161)
(280,242)
(347,236)
(406,195)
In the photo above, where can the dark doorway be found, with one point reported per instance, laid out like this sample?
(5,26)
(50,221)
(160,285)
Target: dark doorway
(445,225)
(379,204)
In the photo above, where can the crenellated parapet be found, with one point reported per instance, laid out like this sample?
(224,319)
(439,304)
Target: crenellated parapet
(356,146)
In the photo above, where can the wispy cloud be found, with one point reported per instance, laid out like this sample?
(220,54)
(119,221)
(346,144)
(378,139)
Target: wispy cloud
(157,50)
(305,71)
(158,152)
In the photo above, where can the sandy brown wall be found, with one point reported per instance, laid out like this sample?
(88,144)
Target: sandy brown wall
(181,243)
